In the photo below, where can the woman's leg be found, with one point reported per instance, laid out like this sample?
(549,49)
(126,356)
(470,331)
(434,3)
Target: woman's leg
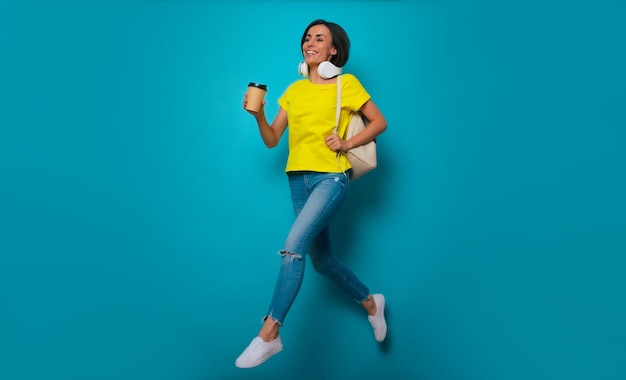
(316,198)
(326,263)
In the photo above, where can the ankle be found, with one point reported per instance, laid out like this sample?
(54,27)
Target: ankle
(369,305)
(269,331)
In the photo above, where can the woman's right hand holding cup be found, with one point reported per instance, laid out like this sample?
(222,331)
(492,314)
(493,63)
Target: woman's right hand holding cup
(250,109)
(254,101)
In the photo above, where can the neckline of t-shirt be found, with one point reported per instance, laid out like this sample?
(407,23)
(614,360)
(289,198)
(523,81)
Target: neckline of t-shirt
(321,84)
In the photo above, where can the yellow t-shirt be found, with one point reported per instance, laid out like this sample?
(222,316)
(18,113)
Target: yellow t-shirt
(311,113)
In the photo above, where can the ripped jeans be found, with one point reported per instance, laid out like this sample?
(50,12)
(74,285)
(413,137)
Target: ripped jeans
(316,198)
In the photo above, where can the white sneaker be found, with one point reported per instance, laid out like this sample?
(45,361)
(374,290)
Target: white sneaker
(378,320)
(258,351)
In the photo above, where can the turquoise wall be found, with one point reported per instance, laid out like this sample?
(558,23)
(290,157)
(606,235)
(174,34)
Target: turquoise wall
(140,213)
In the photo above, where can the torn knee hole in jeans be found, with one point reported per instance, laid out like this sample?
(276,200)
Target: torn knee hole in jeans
(293,256)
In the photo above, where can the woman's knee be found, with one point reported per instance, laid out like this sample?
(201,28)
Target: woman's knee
(288,255)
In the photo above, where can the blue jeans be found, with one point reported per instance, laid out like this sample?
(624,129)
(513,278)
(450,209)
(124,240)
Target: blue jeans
(316,198)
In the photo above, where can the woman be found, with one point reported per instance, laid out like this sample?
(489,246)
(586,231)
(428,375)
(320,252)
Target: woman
(318,177)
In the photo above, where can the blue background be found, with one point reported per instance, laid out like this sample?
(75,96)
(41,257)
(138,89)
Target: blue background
(140,213)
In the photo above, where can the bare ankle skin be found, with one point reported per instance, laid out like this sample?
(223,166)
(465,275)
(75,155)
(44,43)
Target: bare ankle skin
(369,305)
(269,330)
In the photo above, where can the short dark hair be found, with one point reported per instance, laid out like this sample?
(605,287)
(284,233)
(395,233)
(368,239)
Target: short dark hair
(341,42)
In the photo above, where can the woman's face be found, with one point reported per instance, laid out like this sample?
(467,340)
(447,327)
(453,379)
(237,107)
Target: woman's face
(318,45)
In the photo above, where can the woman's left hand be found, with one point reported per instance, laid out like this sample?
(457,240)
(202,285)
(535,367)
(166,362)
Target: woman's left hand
(336,143)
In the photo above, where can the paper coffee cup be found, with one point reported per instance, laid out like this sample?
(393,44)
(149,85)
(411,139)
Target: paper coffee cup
(256,93)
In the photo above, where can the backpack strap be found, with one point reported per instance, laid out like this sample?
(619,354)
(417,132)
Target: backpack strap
(338,103)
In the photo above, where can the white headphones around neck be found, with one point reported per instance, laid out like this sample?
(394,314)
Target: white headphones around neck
(326,69)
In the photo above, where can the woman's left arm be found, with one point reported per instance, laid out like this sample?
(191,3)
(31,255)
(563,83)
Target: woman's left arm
(377,125)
